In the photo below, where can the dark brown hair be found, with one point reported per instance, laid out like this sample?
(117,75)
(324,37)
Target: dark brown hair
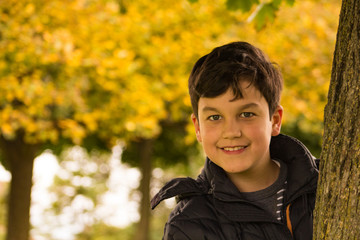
(224,68)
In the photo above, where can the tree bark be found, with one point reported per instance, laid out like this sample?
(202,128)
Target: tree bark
(20,158)
(146,149)
(337,206)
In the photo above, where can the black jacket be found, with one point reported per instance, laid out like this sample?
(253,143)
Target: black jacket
(211,207)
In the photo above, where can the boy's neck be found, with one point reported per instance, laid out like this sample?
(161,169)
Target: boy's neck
(252,182)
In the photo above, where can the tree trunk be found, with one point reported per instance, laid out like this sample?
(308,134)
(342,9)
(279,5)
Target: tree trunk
(19,157)
(146,147)
(337,206)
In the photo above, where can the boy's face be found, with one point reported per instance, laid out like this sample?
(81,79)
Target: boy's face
(236,134)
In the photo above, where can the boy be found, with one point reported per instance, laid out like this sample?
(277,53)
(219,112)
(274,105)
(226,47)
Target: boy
(256,183)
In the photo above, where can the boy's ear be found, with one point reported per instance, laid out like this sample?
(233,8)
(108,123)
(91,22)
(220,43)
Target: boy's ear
(197,127)
(276,121)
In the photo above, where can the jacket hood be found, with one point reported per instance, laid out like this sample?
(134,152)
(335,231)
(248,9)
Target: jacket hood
(302,165)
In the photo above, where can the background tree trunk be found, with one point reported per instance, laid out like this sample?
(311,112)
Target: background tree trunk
(337,207)
(20,159)
(146,149)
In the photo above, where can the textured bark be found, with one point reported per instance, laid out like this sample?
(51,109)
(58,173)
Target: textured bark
(146,149)
(337,207)
(20,158)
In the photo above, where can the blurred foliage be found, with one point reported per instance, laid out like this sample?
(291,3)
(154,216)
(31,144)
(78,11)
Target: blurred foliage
(264,13)
(103,70)
(78,192)
(169,148)
(105,232)
(81,174)
(70,69)
(77,189)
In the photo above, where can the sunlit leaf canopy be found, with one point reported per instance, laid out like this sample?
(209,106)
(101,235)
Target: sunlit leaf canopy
(115,69)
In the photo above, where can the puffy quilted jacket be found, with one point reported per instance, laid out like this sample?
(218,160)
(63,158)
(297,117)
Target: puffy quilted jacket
(211,207)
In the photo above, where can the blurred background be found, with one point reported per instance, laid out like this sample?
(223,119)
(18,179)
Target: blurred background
(94,93)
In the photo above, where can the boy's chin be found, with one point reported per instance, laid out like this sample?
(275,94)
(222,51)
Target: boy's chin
(234,168)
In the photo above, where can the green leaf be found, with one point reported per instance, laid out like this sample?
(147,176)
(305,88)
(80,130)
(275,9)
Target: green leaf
(265,14)
(193,1)
(243,5)
(290,2)
(276,3)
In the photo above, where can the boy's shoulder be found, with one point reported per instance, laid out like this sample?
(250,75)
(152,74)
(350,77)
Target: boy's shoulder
(196,217)
(180,188)
(195,208)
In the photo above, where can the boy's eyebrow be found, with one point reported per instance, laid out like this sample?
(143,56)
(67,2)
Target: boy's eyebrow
(209,109)
(245,106)
(250,105)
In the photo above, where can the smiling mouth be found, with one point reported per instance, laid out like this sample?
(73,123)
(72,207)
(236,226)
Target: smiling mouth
(233,149)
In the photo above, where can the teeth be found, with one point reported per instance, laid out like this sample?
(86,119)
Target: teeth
(233,148)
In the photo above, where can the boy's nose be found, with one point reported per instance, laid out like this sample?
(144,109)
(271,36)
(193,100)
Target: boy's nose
(232,129)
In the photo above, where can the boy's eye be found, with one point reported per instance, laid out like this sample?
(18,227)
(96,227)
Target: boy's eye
(247,114)
(214,117)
